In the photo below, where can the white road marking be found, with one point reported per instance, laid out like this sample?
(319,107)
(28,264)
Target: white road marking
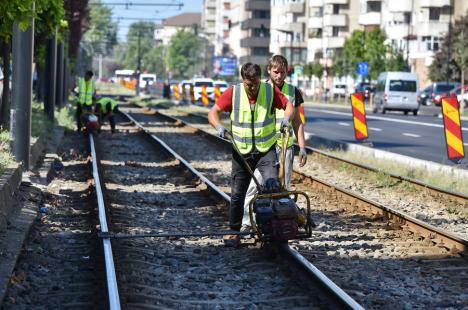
(411,135)
(384,119)
(375,129)
(465,144)
(343,124)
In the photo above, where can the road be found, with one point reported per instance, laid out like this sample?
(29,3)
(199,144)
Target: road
(419,136)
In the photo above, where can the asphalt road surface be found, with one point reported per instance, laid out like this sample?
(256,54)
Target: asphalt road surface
(419,136)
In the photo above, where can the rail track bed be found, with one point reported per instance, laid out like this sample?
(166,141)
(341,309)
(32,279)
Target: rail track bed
(384,261)
(61,263)
(148,191)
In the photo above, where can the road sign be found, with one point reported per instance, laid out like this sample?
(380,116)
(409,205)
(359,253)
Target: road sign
(298,70)
(453,132)
(363,68)
(359,117)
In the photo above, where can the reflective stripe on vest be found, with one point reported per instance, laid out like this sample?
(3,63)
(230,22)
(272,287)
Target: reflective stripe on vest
(253,128)
(104,101)
(289,91)
(85,91)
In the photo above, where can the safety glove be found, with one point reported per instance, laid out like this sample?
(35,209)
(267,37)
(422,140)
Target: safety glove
(284,125)
(302,157)
(221,131)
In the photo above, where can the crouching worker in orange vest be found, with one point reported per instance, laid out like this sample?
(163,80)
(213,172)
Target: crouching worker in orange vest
(105,109)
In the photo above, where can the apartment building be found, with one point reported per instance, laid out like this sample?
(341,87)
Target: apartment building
(164,31)
(208,19)
(288,30)
(249,36)
(222,27)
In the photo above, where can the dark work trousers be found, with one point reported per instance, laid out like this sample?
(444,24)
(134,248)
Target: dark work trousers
(79,112)
(111,118)
(266,163)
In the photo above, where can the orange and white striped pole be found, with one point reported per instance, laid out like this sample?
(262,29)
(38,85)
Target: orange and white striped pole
(300,109)
(217,93)
(453,130)
(176,92)
(192,94)
(204,96)
(359,117)
(184,93)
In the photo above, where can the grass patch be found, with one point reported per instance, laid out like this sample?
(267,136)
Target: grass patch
(66,117)
(39,121)
(6,158)
(113,88)
(439,179)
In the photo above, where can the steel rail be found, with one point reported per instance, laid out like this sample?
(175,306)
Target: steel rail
(460,197)
(443,237)
(342,297)
(112,288)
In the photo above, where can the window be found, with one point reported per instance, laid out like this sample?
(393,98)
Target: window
(374,6)
(336,9)
(402,85)
(260,51)
(407,17)
(434,13)
(261,32)
(431,43)
(260,14)
(335,31)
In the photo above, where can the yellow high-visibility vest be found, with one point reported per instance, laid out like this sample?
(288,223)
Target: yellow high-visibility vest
(85,91)
(290,92)
(103,103)
(253,129)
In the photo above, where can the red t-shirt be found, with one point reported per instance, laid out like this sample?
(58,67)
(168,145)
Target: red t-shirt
(224,102)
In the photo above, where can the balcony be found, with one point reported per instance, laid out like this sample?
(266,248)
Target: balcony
(372,18)
(316,4)
(399,6)
(397,32)
(255,23)
(260,60)
(294,7)
(433,3)
(333,42)
(210,4)
(337,20)
(315,22)
(432,29)
(251,5)
(288,44)
(255,42)
(335,1)
(290,27)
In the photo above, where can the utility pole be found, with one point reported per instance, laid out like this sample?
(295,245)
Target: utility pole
(60,78)
(51,69)
(137,87)
(23,47)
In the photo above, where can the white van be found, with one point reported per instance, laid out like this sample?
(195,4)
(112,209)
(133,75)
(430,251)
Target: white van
(147,78)
(197,88)
(396,91)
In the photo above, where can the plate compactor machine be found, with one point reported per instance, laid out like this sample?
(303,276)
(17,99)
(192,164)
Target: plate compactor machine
(274,212)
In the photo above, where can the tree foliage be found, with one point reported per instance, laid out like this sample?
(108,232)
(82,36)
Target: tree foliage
(142,32)
(77,16)
(313,69)
(457,42)
(367,46)
(102,34)
(183,54)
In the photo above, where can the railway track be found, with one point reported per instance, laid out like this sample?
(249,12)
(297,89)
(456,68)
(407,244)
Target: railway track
(346,236)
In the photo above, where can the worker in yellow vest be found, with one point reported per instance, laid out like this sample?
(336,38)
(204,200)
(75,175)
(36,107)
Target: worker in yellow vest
(252,106)
(277,69)
(86,95)
(105,110)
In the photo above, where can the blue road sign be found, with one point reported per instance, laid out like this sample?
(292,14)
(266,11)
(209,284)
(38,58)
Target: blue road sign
(224,66)
(363,68)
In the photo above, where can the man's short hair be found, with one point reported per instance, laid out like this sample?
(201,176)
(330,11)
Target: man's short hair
(278,61)
(89,73)
(250,71)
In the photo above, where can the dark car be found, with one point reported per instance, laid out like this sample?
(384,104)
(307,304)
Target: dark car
(424,95)
(437,89)
(365,88)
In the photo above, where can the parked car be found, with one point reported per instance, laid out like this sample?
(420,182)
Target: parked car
(223,85)
(437,89)
(338,90)
(366,88)
(147,79)
(457,92)
(396,91)
(197,88)
(424,95)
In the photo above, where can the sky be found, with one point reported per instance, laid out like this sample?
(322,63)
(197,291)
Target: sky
(148,12)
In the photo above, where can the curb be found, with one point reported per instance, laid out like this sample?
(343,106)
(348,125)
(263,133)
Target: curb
(20,219)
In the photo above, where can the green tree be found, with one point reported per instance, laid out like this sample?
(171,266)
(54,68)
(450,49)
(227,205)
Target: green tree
(102,34)
(313,69)
(183,55)
(154,61)
(460,47)
(453,46)
(140,41)
(396,61)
